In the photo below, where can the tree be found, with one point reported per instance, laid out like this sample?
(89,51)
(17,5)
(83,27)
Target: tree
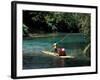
(48,22)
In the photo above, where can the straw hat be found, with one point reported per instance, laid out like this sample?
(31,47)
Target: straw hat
(55,44)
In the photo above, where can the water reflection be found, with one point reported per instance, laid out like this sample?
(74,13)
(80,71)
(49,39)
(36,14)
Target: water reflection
(33,57)
(60,62)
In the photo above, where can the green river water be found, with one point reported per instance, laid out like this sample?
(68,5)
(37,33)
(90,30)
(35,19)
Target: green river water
(74,44)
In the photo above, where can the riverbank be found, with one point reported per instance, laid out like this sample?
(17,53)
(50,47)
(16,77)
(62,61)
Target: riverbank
(36,35)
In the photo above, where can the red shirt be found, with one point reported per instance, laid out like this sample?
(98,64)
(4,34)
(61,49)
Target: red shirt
(61,51)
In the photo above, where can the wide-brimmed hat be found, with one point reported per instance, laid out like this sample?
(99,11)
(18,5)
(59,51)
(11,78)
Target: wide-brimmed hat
(55,44)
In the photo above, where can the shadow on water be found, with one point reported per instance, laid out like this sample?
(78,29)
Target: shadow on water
(33,58)
(35,62)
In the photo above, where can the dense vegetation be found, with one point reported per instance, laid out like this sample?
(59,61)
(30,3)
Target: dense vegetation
(50,22)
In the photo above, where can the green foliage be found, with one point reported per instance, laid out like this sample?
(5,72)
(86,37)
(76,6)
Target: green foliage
(42,21)
(25,30)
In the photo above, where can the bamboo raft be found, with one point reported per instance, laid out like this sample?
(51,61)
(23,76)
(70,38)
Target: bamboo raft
(56,55)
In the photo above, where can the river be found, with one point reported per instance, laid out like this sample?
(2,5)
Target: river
(74,44)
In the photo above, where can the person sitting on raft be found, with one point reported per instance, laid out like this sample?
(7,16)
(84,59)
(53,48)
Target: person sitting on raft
(60,51)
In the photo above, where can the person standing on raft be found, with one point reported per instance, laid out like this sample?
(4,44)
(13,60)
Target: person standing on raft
(60,51)
(55,47)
